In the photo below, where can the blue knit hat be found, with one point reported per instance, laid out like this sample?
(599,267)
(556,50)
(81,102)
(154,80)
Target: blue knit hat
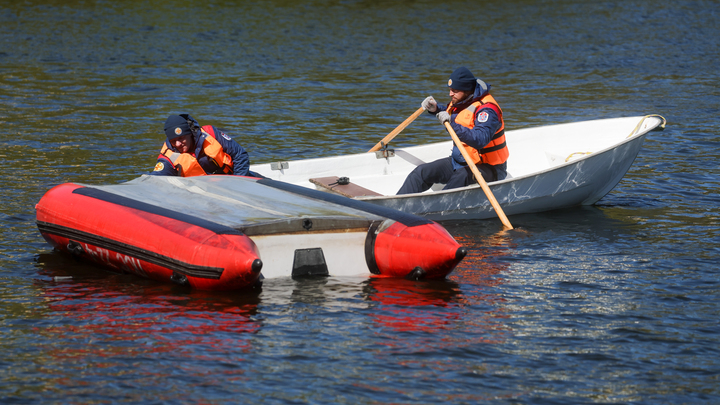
(177,125)
(461,79)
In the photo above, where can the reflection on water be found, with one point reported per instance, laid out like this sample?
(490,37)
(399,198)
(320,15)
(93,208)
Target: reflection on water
(123,307)
(106,322)
(400,305)
(103,325)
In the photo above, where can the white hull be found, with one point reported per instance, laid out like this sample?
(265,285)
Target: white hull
(552,167)
(344,252)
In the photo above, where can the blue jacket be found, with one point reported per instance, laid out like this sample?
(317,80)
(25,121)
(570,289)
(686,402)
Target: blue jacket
(240,158)
(481,134)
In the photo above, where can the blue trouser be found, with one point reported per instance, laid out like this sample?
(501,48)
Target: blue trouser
(441,171)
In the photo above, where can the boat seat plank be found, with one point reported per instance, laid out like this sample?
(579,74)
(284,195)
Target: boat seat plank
(348,190)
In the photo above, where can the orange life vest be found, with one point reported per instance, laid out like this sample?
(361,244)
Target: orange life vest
(188,166)
(496,151)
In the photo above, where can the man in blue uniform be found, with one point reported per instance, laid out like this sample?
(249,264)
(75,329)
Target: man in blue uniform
(477,120)
(191,150)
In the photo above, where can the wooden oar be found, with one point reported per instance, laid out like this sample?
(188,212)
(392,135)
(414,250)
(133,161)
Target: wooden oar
(479,177)
(397,130)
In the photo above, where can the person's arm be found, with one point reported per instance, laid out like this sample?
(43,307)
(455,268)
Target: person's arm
(486,124)
(164,167)
(240,157)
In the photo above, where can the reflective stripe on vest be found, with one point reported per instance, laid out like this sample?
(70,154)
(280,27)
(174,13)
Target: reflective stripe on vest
(188,166)
(496,151)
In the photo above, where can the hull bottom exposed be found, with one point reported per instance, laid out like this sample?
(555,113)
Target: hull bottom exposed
(140,227)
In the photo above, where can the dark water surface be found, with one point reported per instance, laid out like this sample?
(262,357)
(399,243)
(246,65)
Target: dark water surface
(615,303)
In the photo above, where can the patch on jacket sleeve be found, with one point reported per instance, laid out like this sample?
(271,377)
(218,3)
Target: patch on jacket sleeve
(482,117)
(225,136)
(159,167)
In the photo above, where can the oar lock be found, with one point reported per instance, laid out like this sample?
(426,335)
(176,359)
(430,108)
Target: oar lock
(384,153)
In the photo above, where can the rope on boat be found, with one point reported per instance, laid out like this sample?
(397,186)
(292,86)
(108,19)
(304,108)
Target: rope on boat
(635,131)
(576,153)
(637,128)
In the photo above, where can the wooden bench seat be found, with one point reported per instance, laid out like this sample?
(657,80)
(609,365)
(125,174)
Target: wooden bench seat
(348,190)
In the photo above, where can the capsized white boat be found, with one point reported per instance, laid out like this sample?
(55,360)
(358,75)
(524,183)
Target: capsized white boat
(550,167)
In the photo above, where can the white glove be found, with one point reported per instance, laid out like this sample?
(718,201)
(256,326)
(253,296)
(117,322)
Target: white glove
(443,117)
(429,104)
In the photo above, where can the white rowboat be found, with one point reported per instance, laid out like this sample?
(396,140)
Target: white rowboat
(550,167)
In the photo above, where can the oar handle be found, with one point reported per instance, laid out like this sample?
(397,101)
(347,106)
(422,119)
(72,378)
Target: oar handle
(479,177)
(397,130)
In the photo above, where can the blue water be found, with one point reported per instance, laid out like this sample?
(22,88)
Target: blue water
(614,303)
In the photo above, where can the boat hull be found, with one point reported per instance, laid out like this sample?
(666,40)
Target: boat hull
(241,230)
(549,168)
(582,183)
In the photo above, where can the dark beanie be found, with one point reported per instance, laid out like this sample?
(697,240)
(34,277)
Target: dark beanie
(176,126)
(461,79)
